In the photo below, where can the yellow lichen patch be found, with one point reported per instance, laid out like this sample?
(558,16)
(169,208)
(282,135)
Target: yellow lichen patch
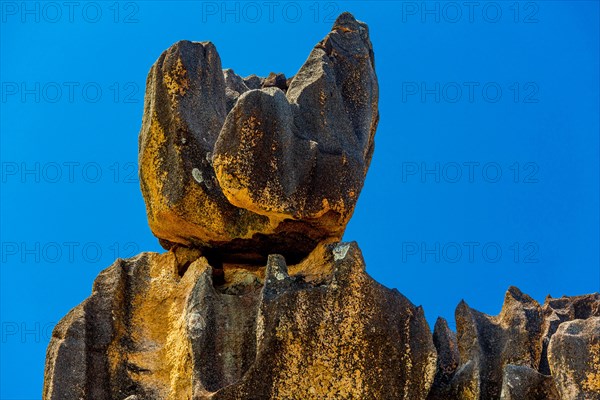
(592,377)
(328,364)
(159,334)
(176,80)
(239,195)
(151,175)
(314,267)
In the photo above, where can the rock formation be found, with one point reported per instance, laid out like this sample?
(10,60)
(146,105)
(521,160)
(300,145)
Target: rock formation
(505,356)
(318,329)
(244,168)
(249,184)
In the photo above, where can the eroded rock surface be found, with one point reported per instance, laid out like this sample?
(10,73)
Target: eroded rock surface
(249,183)
(506,356)
(320,329)
(574,358)
(249,167)
(448,359)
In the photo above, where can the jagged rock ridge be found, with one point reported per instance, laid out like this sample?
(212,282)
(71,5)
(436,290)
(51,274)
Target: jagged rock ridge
(525,352)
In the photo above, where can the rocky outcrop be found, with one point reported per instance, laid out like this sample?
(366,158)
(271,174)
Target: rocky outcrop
(249,183)
(488,344)
(164,326)
(503,356)
(244,168)
(563,309)
(320,329)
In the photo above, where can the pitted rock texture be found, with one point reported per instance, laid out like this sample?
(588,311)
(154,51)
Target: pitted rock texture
(574,358)
(320,329)
(249,167)
(448,359)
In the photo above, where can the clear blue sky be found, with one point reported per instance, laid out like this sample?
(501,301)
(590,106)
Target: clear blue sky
(485,172)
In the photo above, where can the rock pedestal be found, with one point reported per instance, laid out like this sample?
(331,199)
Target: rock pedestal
(321,329)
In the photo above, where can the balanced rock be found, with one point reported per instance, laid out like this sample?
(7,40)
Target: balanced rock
(241,171)
(157,327)
(276,80)
(249,183)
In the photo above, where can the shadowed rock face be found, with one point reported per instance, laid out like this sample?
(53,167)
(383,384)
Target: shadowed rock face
(322,329)
(504,356)
(249,167)
(448,359)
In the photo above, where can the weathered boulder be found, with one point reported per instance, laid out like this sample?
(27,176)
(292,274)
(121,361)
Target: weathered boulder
(563,309)
(254,81)
(234,87)
(157,327)
(276,80)
(128,336)
(574,359)
(240,168)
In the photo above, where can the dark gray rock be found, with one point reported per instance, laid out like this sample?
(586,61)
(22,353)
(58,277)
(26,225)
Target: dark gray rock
(506,356)
(563,309)
(65,374)
(283,155)
(184,110)
(234,87)
(76,360)
(448,359)
(345,337)
(524,383)
(253,81)
(277,80)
